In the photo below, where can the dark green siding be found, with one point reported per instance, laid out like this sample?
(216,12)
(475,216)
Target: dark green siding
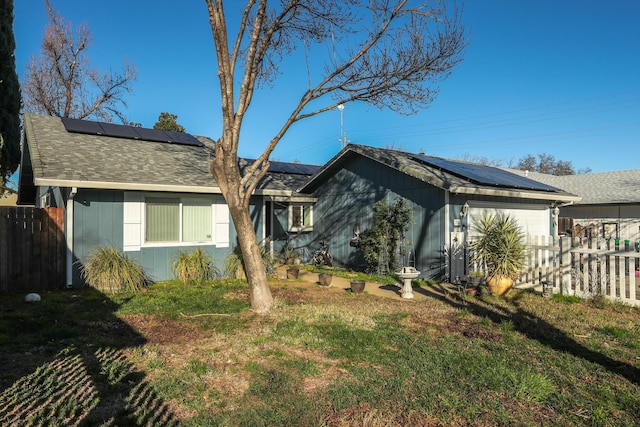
(347,198)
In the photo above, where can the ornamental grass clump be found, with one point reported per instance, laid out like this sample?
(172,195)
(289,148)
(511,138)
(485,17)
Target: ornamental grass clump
(195,267)
(108,270)
(234,263)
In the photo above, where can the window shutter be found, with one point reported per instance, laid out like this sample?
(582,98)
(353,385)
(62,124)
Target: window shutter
(132,228)
(221,234)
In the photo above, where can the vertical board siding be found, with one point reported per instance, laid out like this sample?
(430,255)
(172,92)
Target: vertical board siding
(32,249)
(347,198)
(98,220)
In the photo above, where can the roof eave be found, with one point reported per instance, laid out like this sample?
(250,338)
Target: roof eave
(132,186)
(316,176)
(355,149)
(502,192)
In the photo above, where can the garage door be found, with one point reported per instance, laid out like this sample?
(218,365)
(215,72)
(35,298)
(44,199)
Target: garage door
(533,220)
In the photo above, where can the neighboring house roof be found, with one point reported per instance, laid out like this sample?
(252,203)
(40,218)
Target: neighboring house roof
(595,188)
(457,177)
(62,158)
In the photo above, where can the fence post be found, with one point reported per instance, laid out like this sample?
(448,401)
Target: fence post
(565,264)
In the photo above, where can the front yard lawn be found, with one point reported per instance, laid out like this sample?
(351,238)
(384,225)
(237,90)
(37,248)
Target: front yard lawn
(196,355)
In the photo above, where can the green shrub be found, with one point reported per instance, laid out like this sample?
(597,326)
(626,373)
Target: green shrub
(108,270)
(196,266)
(388,225)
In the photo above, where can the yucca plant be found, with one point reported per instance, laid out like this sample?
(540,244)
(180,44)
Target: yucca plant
(196,267)
(108,270)
(500,246)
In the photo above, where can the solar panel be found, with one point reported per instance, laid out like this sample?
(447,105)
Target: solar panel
(290,168)
(130,132)
(283,167)
(486,175)
(182,138)
(152,135)
(82,126)
(119,131)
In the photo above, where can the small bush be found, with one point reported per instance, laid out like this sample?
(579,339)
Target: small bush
(196,266)
(108,270)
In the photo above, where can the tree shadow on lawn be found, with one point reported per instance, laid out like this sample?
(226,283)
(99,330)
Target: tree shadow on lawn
(532,327)
(62,363)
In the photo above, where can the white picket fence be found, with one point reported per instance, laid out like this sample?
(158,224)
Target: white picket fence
(580,267)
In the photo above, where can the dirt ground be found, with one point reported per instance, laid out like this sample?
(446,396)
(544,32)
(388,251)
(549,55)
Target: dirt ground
(342,284)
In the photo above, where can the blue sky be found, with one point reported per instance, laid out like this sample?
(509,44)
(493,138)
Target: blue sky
(549,76)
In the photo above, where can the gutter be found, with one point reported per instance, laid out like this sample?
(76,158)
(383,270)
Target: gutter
(69,235)
(129,186)
(562,205)
(515,193)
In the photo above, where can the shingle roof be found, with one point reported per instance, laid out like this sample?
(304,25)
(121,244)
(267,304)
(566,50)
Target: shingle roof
(596,188)
(65,158)
(412,165)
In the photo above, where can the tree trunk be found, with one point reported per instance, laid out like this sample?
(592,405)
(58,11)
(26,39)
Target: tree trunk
(261,299)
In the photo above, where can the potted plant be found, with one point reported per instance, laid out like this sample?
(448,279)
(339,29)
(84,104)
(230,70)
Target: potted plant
(292,272)
(500,249)
(357,286)
(325,279)
(288,256)
(475,278)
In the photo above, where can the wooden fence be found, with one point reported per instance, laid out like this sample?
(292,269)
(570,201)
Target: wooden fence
(32,249)
(584,267)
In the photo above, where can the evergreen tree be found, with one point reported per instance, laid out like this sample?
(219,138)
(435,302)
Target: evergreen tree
(167,121)
(9,96)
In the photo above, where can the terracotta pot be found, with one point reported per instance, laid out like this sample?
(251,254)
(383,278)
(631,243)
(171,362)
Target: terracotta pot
(292,273)
(499,285)
(325,279)
(357,286)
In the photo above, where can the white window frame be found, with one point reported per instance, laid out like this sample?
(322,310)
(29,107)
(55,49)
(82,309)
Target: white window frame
(135,218)
(181,201)
(302,228)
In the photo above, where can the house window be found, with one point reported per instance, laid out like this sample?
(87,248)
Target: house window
(196,221)
(178,220)
(301,217)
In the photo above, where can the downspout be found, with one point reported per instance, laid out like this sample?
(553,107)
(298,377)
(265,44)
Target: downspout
(69,236)
(271,218)
(555,214)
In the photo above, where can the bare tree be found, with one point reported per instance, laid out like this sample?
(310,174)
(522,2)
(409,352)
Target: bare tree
(546,163)
(387,53)
(481,160)
(61,82)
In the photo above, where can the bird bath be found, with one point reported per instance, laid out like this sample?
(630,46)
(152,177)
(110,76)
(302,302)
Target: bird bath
(407,274)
